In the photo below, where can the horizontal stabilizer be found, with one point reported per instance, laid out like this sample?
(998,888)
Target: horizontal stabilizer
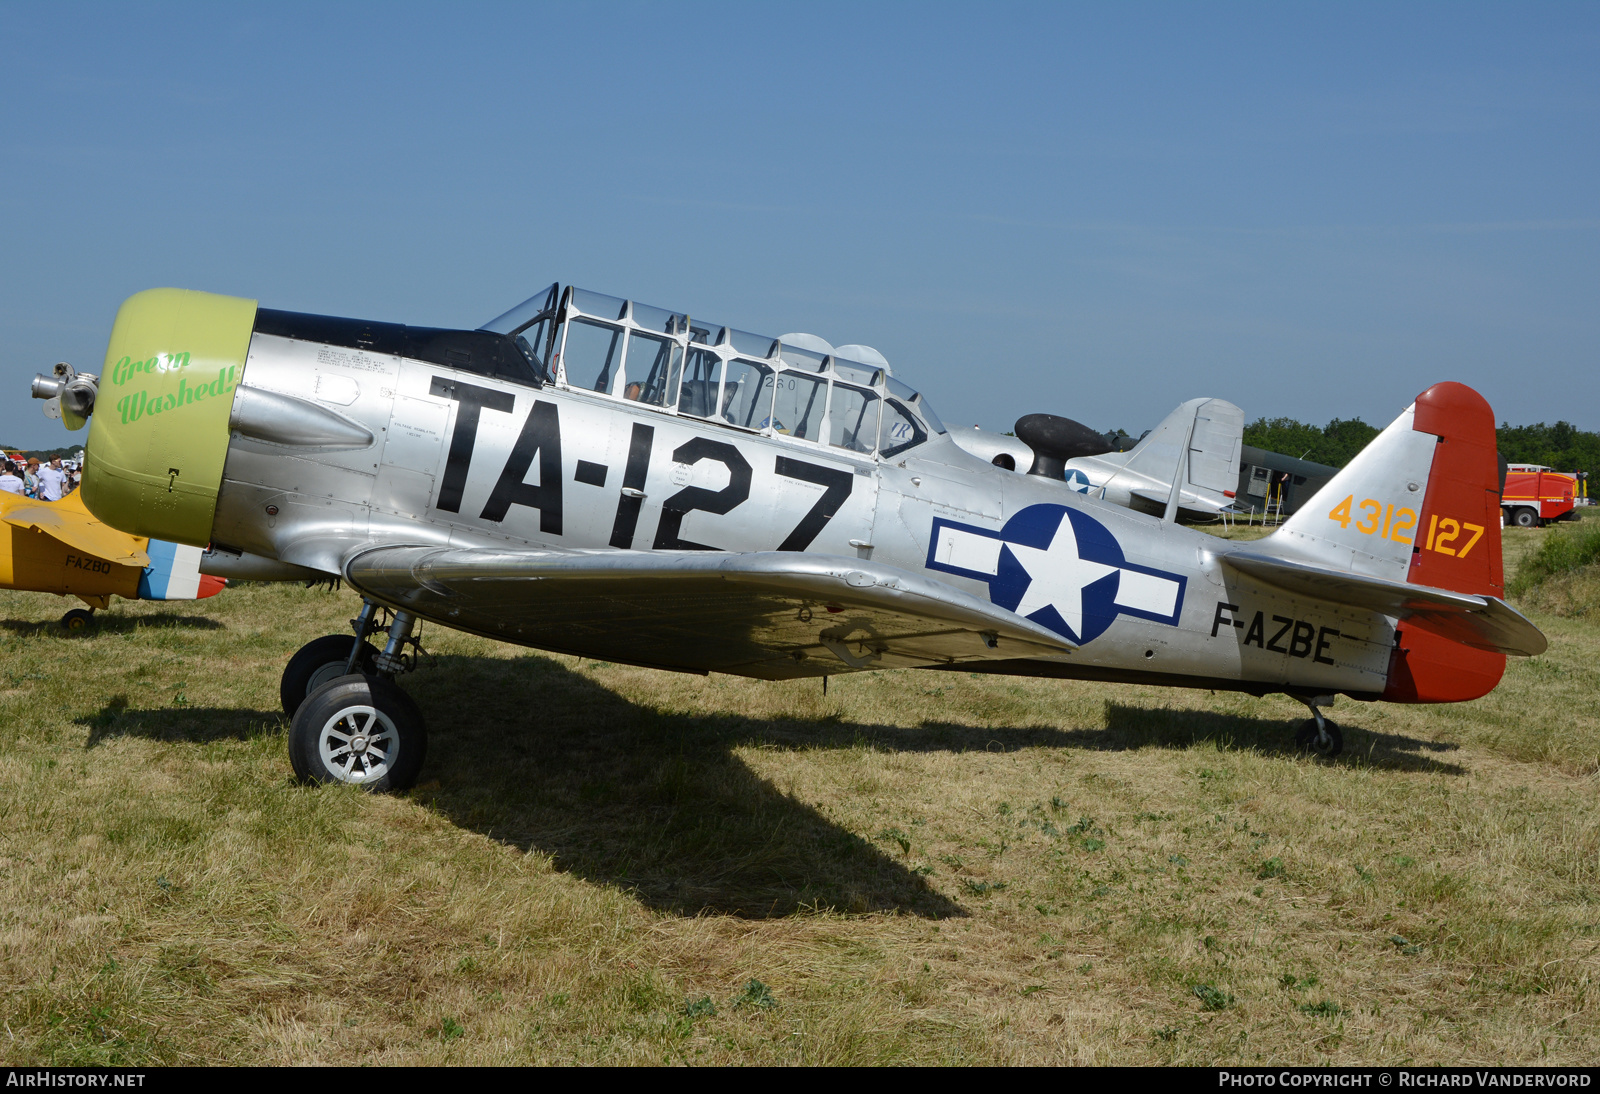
(774,615)
(1191,505)
(68,521)
(1482,622)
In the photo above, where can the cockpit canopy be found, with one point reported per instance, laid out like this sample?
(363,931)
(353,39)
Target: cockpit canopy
(586,341)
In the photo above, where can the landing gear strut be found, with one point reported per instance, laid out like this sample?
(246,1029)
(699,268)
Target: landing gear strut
(327,658)
(350,722)
(1319,735)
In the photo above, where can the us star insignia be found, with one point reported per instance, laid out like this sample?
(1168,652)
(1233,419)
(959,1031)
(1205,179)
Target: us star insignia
(1058,567)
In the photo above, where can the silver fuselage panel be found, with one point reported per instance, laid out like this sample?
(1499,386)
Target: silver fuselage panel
(463,460)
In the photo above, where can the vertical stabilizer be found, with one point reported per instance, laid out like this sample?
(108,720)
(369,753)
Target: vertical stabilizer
(1214,447)
(1198,442)
(1365,520)
(1420,504)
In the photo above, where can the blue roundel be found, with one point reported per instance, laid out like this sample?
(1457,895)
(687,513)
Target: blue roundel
(1060,568)
(1036,553)
(1078,480)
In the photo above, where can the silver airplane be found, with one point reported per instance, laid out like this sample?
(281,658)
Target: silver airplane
(595,476)
(1198,443)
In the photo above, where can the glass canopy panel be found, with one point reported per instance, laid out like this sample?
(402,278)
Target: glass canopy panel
(865,375)
(598,304)
(747,394)
(658,319)
(751,345)
(705,333)
(653,368)
(853,419)
(804,359)
(901,430)
(524,313)
(928,415)
(798,405)
(911,396)
(592,354)
(532,341)
(701,374)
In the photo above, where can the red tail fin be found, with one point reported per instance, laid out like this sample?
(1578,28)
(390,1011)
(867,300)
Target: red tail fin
(1457,548)
(1458,534)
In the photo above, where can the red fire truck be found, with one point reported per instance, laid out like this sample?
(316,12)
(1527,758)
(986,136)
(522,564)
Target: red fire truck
(1535,495)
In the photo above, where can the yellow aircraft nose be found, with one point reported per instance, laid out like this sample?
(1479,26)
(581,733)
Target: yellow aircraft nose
(159,435)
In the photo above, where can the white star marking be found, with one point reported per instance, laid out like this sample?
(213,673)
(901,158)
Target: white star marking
(1058,576)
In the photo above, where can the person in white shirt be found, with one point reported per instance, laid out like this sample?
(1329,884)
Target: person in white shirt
(52,481)
(9,481)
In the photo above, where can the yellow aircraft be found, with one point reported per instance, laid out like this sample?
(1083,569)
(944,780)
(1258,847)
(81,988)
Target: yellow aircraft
(60,547)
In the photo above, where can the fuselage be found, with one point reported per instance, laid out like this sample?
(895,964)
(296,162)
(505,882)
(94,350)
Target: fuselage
(464,457)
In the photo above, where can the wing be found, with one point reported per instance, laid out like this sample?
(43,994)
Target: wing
(68,521)
(1482,622)
(774,615)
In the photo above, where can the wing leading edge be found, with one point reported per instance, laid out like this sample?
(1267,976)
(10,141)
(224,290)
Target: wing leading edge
(774,615)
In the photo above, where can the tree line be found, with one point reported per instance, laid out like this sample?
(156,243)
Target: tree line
(1562,446)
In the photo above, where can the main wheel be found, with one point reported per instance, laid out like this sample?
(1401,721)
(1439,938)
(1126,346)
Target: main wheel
(77,620)
(361,730)
(314,664)
(1308,739)
(1526,518)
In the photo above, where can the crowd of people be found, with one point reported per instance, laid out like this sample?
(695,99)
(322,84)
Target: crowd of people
(47,482)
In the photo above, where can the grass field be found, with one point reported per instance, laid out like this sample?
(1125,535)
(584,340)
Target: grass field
(606,864)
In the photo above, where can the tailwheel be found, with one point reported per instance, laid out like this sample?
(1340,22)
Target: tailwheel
(77,620)
(361,730)
(1320,736)
(317,662)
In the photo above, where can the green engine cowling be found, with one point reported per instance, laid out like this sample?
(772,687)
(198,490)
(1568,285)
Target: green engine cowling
(159,434)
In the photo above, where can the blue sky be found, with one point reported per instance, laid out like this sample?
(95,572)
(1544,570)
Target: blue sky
(1093,210)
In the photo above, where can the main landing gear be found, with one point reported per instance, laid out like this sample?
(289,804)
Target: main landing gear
(78,620)
(1319,735)
(350,722)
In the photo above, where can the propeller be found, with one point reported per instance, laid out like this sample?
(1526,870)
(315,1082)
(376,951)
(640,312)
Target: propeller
(69,396)
(1055,440)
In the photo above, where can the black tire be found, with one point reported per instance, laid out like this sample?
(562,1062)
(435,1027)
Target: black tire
(1307,739)
(77,620)
(359,730)
(1525,518)
(314,664)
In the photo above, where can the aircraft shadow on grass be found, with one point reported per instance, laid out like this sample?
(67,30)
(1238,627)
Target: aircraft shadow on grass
(110,623)
(657,803)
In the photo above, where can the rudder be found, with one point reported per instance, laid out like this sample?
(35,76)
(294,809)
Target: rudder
(1457,548)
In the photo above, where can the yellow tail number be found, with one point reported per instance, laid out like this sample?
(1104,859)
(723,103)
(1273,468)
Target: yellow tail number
(1443,532)
(1384,521)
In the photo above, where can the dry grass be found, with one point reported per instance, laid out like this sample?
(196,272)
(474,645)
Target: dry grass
(917,867)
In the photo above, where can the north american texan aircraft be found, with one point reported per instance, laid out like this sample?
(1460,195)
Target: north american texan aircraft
(594,476)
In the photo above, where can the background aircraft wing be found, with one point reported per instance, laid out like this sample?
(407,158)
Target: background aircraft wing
(774,614)
(68,521)
(1482,622)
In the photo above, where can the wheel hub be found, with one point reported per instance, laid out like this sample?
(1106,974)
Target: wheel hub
(358,744)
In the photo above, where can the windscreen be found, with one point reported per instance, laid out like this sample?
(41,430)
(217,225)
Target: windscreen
(524,313)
